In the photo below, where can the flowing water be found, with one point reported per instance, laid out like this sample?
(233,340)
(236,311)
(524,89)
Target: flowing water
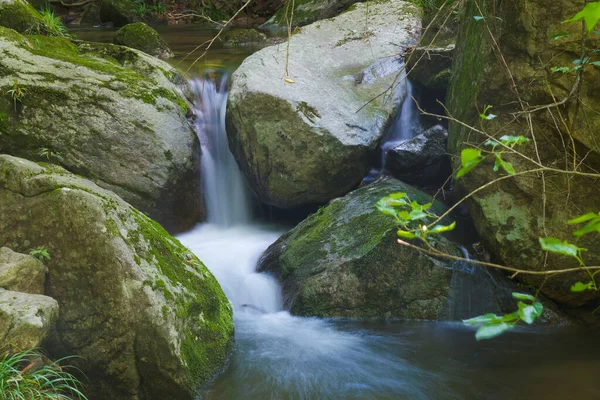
(279,356)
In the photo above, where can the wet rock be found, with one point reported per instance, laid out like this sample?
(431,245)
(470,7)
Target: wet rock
(303,141)
(142,312)
(21,273)
(422,160)
(140,36)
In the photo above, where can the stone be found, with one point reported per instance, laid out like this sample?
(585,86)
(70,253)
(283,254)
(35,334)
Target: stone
(511,215)
(306,12)
(106,112)
(140,36)
(303,141)
(119,12)
(244,37)
(21,272)
(144,315)
(431,66)
(25,319)
(422,160)
(21,16)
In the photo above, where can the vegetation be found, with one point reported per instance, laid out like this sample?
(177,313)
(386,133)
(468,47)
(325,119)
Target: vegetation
(53,24)
(29,375)
(41,253)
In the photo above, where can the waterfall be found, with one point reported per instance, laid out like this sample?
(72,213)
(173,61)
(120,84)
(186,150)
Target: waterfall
(225,192)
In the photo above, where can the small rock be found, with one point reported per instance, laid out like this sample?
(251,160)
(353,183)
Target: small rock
(144,38)
(21,273)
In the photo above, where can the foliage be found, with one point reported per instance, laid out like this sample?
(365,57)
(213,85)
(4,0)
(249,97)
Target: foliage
(41,253)
(53,23)
(26,376)
(471,157)
(46,153)
(16,93)
(492,325)
(411,216)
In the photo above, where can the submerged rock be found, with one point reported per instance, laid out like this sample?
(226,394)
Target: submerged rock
(243,37)
(25,319)
(144,314)
(112,114)
(302,140)
(344,261)
(21,273)
(140,36)
(21,16)
(422,160)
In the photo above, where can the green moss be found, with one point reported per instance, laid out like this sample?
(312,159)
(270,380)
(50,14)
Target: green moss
(21,17)
(142,37)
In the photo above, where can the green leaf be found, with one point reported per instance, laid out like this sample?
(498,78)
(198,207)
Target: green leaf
(481,319)
(492,143)
(492,329)
(582,287)
(405,234)
(583,218)
(443,228)
(560,35)
(404,215)
(595,63)
(529,313)
(510,140)
(477,17)
(563,70)
(469,157)
(387,210)
(512,317)
(561,247)
(417,214)
(508,167)
(591,14)
(523,296)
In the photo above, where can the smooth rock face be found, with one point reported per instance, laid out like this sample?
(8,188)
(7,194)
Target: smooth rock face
(25,319)
(513,214)
(106,112)
(146,316)
(422,160)
(344,261)
(21,272)
(304,142)
(144,38)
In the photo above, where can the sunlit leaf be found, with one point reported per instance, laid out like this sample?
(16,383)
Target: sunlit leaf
(405,234)
(492,143)
(590,13)
(528,313)
(506,166)
(560,35)
(563,70)
(481,319)
(492,329)
(561,247)
(404,215)
(470,158)
(595,63)
(510,140)
(593,226)
(523,296)
(443,228)
(583,218)
(582,287)
(512,317)
(417,214)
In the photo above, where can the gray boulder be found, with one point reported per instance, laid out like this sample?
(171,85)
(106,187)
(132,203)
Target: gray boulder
(144,314)
(303,141)
(21,273)
(422,160)
(25,319)
(106,112)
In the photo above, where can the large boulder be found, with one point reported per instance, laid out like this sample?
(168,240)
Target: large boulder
(21,272)
(21,16)
(344,261)
(305,12)
(106,112)
(144,314)
(517,76)
(140,36)
(25,319)
(303,141)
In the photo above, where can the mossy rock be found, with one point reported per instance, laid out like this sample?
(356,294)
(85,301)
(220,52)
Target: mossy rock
(145,316)
(119,12)
(21,16)
(513,214)
(107,112)
(243,37)
(140,36)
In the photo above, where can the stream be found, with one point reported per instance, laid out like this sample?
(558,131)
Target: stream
(280,356)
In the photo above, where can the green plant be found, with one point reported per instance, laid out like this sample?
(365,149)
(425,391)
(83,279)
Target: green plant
(45,152)
(41,253)
(159,7)
(26,376)
(53,23)
(16,93)
(141,9)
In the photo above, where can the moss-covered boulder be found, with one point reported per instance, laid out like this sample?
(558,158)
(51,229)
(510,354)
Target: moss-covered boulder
(306,12)
(145,315)
(112,114)
(119,12)
(21,16)
(512,214)
(302,140)
(344,261)
(25,319)
(243,37)
(21,272)
(140,36)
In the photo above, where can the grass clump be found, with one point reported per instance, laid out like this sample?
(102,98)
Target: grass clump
(27,375)
(53,24)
